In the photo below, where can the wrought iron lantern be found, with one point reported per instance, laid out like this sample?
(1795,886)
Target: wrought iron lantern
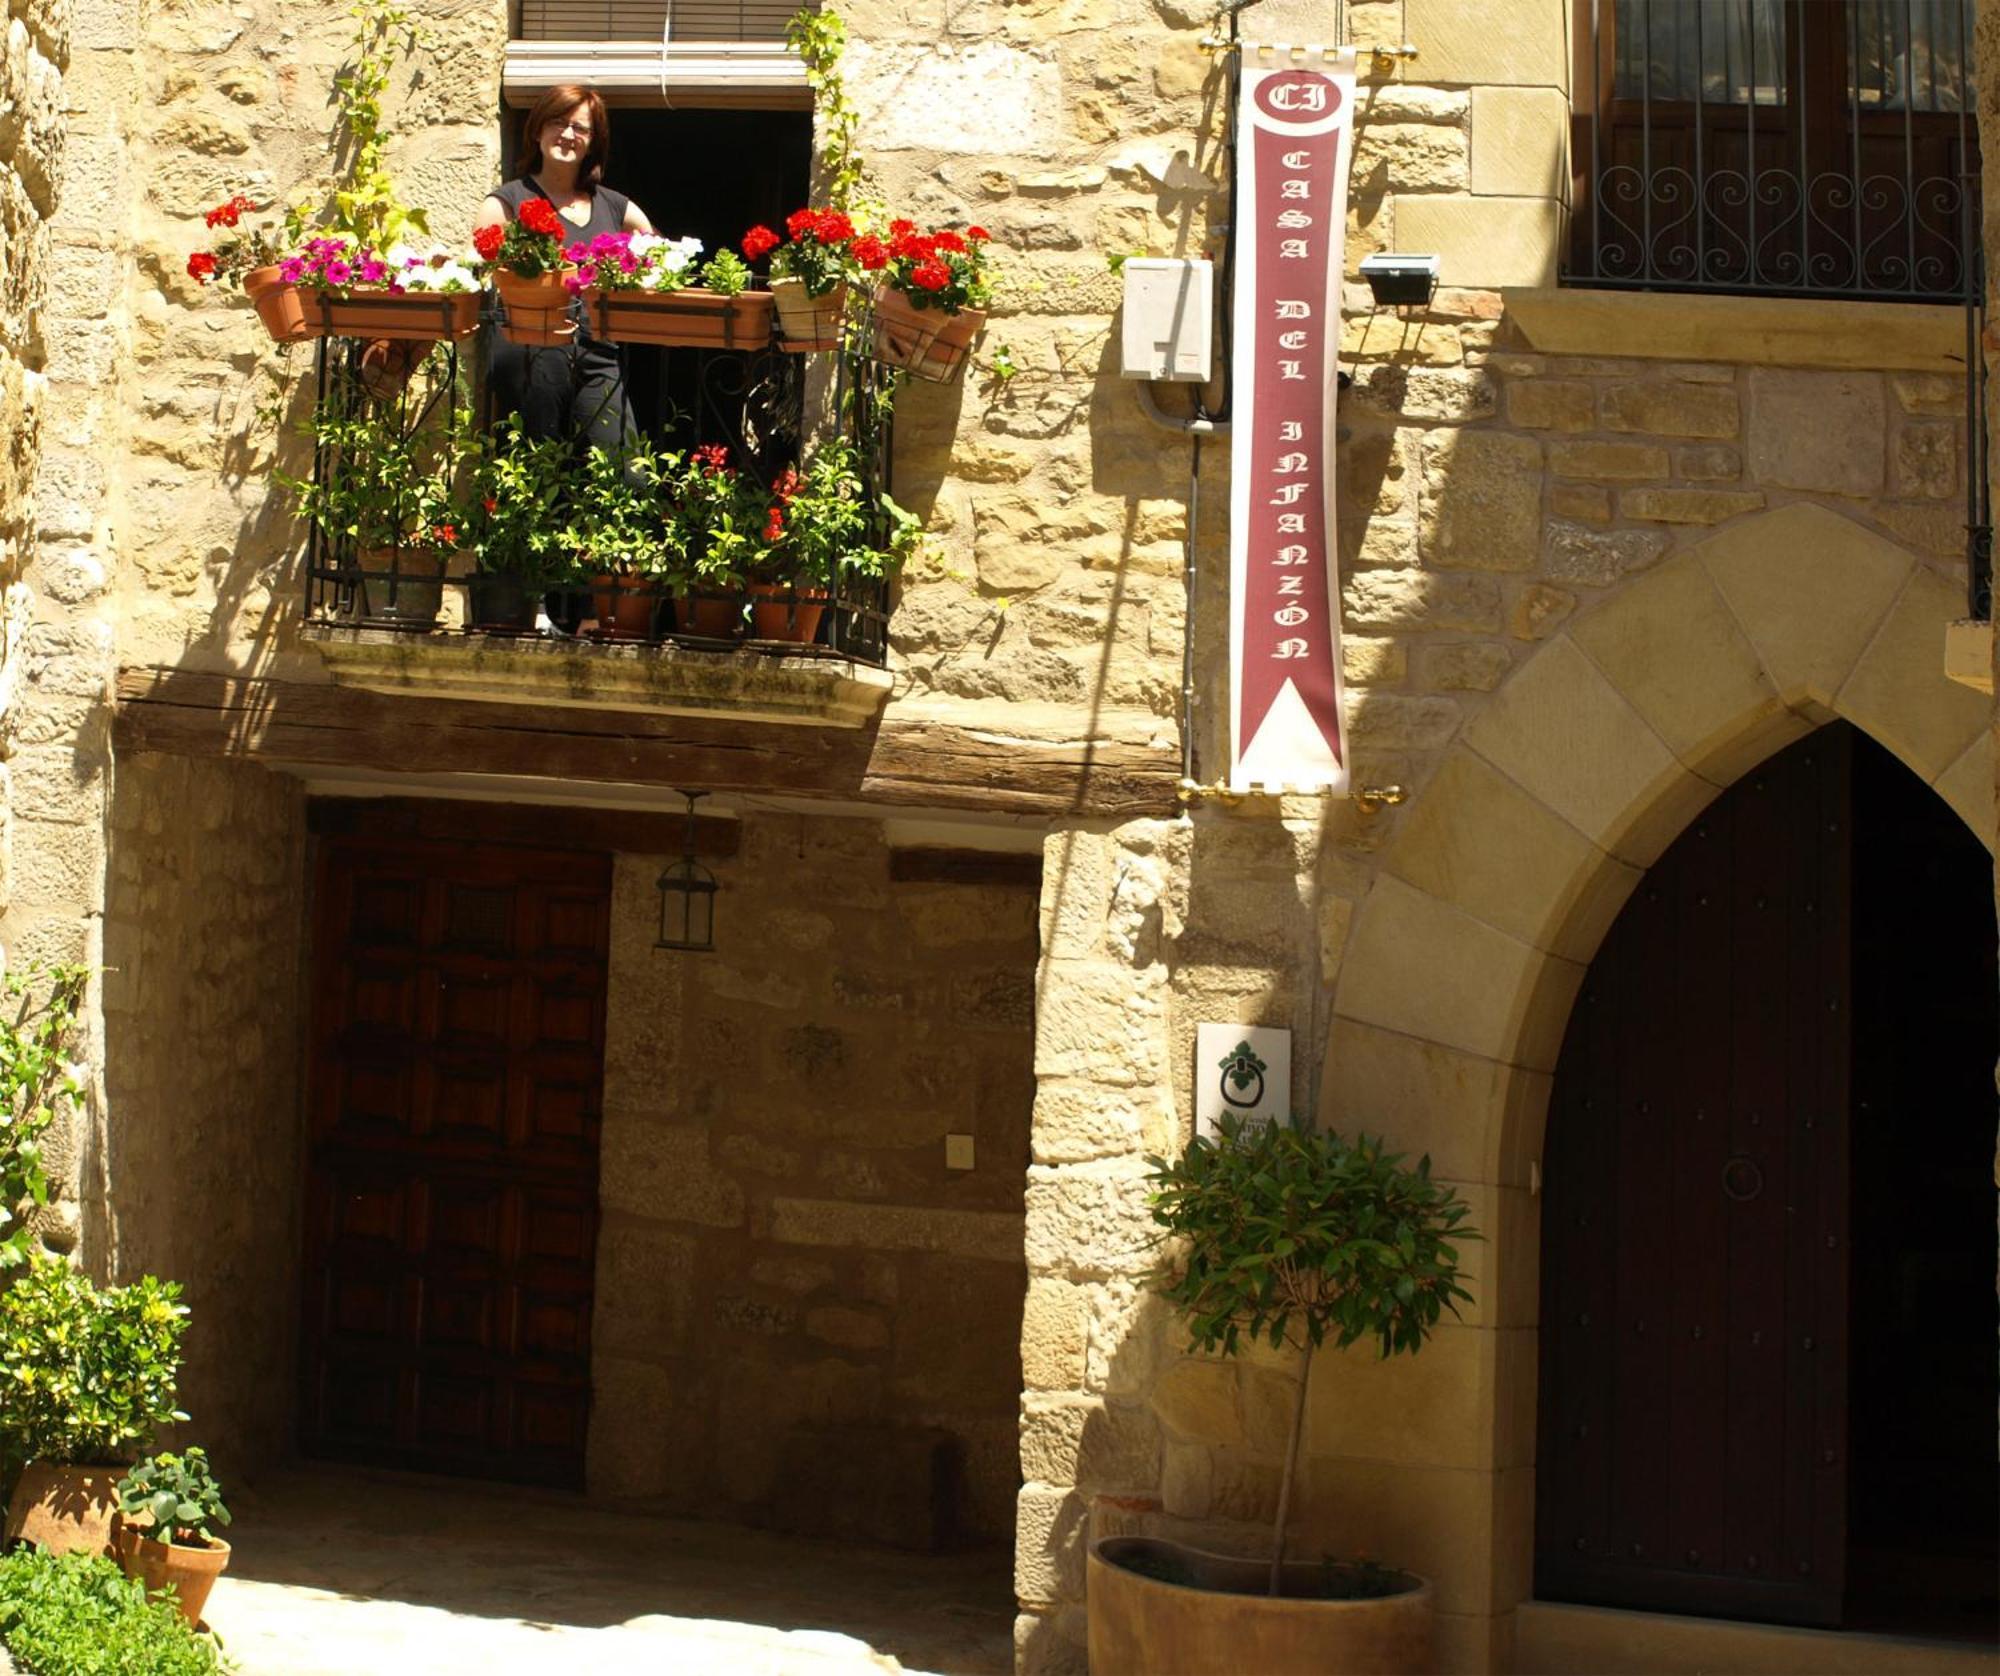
(687,897)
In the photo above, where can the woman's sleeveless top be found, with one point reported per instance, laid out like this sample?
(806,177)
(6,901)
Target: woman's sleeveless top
(607,215)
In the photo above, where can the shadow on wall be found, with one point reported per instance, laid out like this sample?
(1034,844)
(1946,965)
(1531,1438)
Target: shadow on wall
(196,1170)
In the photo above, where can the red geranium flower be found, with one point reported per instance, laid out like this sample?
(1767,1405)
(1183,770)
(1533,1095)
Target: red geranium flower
(802,221)
(228,213)
(447,534)
(201,267)
(834,228)
(538,215)
(774,525)
(931,275)
(759,241)
(871,252)
(899,228)
(950,241)
(978,235)
(487,241)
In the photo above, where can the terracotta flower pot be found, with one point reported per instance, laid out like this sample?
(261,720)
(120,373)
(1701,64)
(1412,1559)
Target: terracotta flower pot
(808,322)
(716,616)
(537,309)
(190,1572)
(785,611)
(624,605)
(415,316)
(685,319)
(66,1509)
(281,307)
(1157,1605)
(926,341)
(500,602)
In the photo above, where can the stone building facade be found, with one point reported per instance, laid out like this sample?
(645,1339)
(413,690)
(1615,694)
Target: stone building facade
(1602,554)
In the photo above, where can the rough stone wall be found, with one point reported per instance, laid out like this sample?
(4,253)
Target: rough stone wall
(197,1176)
(782,1244)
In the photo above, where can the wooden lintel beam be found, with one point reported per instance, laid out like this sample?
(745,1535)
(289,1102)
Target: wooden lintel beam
(905,763)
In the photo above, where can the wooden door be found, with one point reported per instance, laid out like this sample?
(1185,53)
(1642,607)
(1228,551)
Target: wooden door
(451,1202)
(1693,1398)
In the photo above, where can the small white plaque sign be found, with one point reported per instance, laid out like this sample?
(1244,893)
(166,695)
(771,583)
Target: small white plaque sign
(1241,1068)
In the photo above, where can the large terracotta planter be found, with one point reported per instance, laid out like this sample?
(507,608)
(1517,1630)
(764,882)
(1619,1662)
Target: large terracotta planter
(189,1572)
(66,1509)
(808,322)
(1213,1618)
(685,319)
(624,605)
(418,317)
(781,611)
(717,616)
(926,341)
(537,310)
(281,307)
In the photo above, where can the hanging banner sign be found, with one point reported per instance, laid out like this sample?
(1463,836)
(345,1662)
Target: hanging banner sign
(1294,130)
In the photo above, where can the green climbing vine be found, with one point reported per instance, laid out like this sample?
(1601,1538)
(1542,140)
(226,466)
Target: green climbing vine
(366,206)
(819,38)
(37,1083)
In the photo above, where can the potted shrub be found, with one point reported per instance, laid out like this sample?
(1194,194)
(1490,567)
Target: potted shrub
(811,269)
(524,261)
(168,1506)
(621,535)
(511,521)
(719,518)
(1293,1236)
(648,294)
(375,501)
(820,538)
(932,300)
(84,1374)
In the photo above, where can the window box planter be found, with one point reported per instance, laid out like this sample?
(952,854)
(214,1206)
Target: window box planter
(806,322)
(412,316)
(537,310)
(926,341)
(684,319)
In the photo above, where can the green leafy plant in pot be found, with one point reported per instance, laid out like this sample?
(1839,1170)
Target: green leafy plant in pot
(514,525)
(623,537)
(169,1508)
(1289,1236)
(86,1373)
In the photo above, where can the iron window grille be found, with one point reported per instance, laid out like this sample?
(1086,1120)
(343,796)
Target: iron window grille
(1798,147)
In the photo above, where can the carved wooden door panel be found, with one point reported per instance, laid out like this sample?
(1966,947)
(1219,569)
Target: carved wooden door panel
(1693,1397)
(451,1195)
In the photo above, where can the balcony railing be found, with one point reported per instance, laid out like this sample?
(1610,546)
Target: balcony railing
(1800,147)
(413,578)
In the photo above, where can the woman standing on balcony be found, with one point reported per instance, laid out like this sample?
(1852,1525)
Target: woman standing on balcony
(578,388)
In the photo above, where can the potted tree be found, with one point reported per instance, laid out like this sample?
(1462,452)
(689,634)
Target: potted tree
(1296,1237)
(84,1374)
(168,1506)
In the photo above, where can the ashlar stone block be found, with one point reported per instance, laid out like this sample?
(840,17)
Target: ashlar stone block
(1481,503)
(1817,430)
(1898,691)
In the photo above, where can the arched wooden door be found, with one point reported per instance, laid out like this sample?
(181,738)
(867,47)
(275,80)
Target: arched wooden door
(1768,1323)
(1693,1424)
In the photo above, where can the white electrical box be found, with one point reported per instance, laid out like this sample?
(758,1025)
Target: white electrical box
(1169,318)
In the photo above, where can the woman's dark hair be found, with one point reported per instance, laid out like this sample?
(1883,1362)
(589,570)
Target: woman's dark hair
(558,103)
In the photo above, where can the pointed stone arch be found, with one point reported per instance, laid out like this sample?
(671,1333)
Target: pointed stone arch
(1505,874)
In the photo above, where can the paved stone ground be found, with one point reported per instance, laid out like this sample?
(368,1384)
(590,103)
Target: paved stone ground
(337,1573)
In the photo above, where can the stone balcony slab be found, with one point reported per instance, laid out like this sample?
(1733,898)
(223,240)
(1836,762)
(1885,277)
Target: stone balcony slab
(745,685)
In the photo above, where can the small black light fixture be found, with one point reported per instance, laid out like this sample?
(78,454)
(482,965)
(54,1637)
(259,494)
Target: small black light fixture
(1401,281)
(687,896)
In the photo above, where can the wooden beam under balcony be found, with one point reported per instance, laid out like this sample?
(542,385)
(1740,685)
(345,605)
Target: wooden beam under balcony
(900,761)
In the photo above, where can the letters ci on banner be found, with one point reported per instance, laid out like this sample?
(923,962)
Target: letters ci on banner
(1293,130)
